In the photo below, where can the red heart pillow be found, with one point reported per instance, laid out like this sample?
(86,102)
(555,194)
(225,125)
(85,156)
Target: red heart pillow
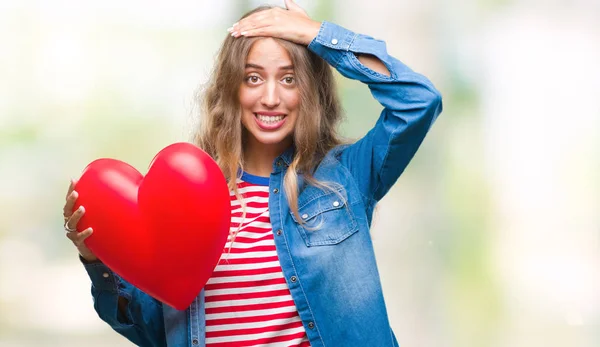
(165,232)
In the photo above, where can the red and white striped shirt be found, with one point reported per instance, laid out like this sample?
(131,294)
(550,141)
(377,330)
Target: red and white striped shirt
(247,301)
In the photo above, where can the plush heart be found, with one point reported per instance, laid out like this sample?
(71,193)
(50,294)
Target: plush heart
(163,233)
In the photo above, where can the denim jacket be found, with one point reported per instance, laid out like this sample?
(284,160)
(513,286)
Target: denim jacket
(330,270)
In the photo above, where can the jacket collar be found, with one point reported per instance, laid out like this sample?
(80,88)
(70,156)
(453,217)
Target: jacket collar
(287,156)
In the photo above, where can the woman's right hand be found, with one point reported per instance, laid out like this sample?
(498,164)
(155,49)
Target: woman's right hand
(71,219)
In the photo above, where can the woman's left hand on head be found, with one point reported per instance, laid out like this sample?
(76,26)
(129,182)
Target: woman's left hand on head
(292,24)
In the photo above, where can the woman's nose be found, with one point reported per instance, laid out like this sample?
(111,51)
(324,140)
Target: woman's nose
(270,97)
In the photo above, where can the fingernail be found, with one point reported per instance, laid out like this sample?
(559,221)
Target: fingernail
(243,33)
(234,24)
(234,33)
(75,194)
(89,230)
(81,209)
(230,29)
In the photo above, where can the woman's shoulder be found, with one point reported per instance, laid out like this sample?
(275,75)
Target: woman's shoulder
(334,154)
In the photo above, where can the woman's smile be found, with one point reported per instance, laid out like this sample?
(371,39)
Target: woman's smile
(269,120)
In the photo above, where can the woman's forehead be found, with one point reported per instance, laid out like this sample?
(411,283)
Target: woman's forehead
(267,52)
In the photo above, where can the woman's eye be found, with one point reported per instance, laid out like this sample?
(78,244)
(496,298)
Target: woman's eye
(253,79)
(289,80)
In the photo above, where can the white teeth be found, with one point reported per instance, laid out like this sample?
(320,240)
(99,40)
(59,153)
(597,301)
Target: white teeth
(269,119)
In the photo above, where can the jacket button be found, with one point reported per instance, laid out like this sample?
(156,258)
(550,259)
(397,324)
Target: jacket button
(311,325)
(334,41)
(194,342)
(336,203)
(278,232)
(304,216)
(105,275)
(275,190)
(293,279)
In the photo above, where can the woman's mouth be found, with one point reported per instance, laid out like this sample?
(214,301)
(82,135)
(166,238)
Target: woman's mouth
(269,121)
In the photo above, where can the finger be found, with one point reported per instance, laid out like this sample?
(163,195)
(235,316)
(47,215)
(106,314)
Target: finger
(253,21)
(80,237)
(71,187)
(265,31)
(68,208)
(71,235)
(257,31)
(294,7)
(72,222)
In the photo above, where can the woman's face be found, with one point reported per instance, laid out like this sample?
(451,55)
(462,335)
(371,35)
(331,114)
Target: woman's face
(269,96)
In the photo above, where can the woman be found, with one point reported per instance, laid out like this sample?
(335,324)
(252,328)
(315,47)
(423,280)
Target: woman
(299,267)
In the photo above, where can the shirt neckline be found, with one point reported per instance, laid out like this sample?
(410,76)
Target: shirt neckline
(253,179)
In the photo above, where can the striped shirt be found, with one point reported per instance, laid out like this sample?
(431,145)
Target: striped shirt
(247,300)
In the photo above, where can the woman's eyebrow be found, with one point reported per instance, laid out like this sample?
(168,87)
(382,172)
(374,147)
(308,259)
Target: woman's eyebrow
(258,67)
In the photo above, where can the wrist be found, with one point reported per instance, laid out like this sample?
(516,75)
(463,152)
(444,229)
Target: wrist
(88,259)
(313,31)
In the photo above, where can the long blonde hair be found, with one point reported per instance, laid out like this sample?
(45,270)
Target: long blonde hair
(221,133)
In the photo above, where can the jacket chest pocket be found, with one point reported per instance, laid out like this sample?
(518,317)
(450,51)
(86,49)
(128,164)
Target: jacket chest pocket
(326,219)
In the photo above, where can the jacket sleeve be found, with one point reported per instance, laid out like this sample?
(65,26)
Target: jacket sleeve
(143,321)
(410,106)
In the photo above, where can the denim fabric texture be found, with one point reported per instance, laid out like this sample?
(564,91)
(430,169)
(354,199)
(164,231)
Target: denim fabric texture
(330,270)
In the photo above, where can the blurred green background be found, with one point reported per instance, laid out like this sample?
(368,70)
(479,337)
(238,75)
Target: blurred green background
(490,238)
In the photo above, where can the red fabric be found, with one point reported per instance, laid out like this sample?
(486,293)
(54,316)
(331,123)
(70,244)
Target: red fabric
(247,301)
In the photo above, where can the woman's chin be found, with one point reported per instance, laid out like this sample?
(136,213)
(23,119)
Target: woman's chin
(273,140)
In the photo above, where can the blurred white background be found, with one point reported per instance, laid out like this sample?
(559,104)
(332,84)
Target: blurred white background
(490,238)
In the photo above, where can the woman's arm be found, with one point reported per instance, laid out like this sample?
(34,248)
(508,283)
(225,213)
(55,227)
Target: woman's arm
(294,25)
(411,105)
(128,310)
(373,63)
(125,308)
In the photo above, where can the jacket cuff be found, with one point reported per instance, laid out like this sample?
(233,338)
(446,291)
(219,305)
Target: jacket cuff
(336,44)
(334,37)
(102,277)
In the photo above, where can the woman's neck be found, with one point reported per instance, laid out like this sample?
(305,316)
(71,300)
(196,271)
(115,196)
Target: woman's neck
(259,158)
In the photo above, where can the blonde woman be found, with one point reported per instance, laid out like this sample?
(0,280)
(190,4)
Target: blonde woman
(299,267)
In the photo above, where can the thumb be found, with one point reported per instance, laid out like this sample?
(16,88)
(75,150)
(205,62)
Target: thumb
(291,5)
